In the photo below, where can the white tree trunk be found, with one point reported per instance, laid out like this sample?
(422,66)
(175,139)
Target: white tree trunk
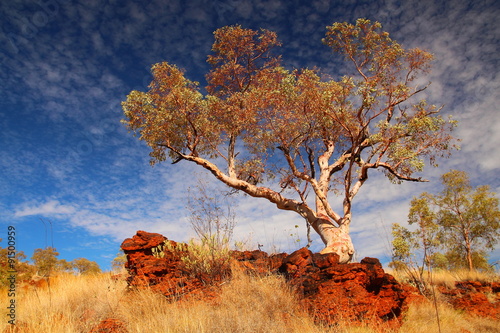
(336,239)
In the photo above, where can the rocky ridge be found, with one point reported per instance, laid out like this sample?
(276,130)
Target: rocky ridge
(358,292)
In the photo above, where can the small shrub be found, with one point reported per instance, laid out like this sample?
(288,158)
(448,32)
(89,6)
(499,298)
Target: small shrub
(206,259)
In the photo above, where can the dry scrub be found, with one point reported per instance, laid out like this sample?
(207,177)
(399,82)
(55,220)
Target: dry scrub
(247,304)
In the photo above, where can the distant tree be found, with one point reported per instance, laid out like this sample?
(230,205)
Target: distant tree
(45,260)
(417,247)
(415,251)
(85,266)
(19,264)
(470,218)
(64,266)
(461,222)
(281,135)
(405,244)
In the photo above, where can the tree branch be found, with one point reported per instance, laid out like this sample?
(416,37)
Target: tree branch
(231,157)
(391,170)
(255,191)
(318,190)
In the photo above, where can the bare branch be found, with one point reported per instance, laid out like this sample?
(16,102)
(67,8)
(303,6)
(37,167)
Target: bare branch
(399,176)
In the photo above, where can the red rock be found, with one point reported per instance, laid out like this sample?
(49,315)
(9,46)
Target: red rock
(325,260)
(351,293)
(110,325)
(142,240)
(166,275)
(257,262)
(471,296)
(477,304)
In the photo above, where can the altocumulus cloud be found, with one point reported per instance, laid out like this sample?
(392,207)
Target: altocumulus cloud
(47,209)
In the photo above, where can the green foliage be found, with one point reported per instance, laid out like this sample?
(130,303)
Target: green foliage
(23,270)
(207,260)
(460,221)
(204,259)
(45,263)
(405,245)
(470,218)
(45,260)
(159,251)
(85,266)
(64,266)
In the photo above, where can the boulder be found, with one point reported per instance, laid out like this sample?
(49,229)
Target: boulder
(257,262)
(166,274)
(353,293)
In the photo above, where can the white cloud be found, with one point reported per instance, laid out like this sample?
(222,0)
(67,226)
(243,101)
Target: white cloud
(49,208)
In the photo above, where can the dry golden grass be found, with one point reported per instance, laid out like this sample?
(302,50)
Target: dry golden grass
(423,318)
(68,304)
(448,278)
(247,304)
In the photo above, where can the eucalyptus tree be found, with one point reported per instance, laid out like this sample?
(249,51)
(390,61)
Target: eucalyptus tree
(469,218)
(310,134)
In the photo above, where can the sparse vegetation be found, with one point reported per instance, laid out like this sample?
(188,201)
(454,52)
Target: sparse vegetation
(118,263)
(24,269)
(44,264)
(247,304)
(45,260)
(448,278)
(85,266)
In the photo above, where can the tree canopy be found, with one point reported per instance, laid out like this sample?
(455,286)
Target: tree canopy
(282,134)
(45,260)
(455,228)
(85,266)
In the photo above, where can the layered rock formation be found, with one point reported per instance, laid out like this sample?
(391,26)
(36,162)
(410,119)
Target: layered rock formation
(332,292)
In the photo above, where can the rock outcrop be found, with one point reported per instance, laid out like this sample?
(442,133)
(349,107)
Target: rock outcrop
(353,293)
(166,274)
(332,292)
(476,298)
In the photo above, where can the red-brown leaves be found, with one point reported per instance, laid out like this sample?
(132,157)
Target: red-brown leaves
(239,54)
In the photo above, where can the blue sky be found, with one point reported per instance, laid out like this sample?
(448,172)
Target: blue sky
(67,65)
